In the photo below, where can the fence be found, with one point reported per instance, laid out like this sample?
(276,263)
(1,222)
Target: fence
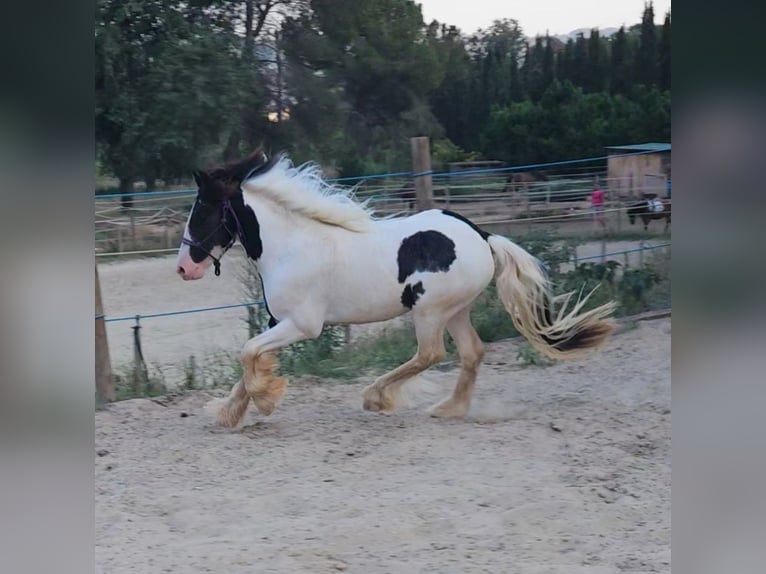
(154,224)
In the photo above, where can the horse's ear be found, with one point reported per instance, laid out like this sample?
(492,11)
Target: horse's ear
(248,165)
(199,177)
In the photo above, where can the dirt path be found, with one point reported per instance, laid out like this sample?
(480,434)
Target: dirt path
(558,470)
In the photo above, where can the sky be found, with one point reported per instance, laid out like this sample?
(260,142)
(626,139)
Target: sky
(538,16)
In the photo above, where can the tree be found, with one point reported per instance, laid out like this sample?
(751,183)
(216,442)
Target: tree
(620,73)
(165,86)
(646,58)
(564,61)
(450,100)
(579,70)
(596,75)
(549,66)
(371,63)
(664,55)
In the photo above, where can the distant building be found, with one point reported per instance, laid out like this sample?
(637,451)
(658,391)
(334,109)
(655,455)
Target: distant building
(638,170)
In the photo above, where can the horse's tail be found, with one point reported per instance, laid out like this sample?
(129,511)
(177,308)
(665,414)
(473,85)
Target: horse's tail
(525,291)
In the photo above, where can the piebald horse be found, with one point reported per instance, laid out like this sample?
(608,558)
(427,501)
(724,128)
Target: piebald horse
(324,259)
(647,210)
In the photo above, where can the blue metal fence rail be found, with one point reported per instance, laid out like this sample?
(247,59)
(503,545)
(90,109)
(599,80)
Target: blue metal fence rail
(488,170)
(258,303)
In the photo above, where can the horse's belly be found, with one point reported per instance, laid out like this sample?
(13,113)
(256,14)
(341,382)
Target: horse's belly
(364,300)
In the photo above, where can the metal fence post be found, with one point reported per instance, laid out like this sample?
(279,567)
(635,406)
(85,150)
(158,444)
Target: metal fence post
(140,375)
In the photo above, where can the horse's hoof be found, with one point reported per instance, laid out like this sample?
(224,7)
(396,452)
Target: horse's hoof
(449,409)
(374,401)
(267,397)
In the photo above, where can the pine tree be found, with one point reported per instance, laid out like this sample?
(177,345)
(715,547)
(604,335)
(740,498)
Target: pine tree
(580,61)
(646,60)
(596,72)
(664,55)
(549,72)
(564,62)
(620,68)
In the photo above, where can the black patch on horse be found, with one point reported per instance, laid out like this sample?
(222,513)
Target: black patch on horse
(411,294)
(476,228)
(250,230)
(425,251)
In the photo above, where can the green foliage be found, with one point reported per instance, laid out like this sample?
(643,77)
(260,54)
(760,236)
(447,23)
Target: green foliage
(361,70)
(489,317)
(635,289)
(328,356)
(184,84)
(169,83)
(132,383)
(551,248)
(529,356)
(566,118)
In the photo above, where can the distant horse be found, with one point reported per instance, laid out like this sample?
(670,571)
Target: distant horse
(325,260)
(406,193)
(519,180)
(649,209)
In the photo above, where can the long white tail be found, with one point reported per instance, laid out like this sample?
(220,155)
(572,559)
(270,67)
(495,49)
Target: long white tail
(525,291)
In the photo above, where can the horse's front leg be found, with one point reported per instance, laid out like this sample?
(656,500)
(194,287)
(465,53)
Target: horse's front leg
(259,382)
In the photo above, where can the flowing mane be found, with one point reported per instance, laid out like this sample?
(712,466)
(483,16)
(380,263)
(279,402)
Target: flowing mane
(303,190)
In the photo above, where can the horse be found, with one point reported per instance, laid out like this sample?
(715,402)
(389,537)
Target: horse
(519,180)
(647,212)
(406,193)
(325,259)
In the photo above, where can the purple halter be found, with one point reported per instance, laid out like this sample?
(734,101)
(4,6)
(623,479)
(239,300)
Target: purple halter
(228,210)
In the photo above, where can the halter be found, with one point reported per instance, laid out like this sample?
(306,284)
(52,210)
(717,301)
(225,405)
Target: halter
(228,209)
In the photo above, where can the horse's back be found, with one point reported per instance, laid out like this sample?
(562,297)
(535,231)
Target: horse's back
(444,251)
(422,262)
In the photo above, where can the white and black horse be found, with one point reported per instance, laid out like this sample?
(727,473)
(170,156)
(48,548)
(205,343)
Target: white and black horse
(324,259)
(649,209)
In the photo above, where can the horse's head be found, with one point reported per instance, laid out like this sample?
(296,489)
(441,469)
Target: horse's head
(212,227)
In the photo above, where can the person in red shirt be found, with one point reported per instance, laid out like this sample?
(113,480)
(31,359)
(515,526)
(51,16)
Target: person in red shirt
(597,204)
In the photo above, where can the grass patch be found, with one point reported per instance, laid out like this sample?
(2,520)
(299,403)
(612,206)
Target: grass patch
(132,383)
(327,356)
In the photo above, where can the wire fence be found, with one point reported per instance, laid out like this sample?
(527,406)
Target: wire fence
(155,225)
(138,317)
(510,200)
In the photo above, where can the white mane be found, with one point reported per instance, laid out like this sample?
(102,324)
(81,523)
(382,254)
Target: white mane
(302,190)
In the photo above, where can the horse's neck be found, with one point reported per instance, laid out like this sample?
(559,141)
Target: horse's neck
(285,236)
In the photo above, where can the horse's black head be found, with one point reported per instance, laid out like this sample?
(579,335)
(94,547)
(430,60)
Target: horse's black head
(209,232)
(205,228)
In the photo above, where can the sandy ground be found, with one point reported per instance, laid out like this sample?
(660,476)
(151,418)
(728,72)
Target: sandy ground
(557,470)
(146,286)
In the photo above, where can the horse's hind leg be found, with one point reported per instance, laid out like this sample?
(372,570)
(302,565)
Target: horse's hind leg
(471,351)
(383,394)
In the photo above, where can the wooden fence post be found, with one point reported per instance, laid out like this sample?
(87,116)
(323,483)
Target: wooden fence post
(421,164)
(104,381)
